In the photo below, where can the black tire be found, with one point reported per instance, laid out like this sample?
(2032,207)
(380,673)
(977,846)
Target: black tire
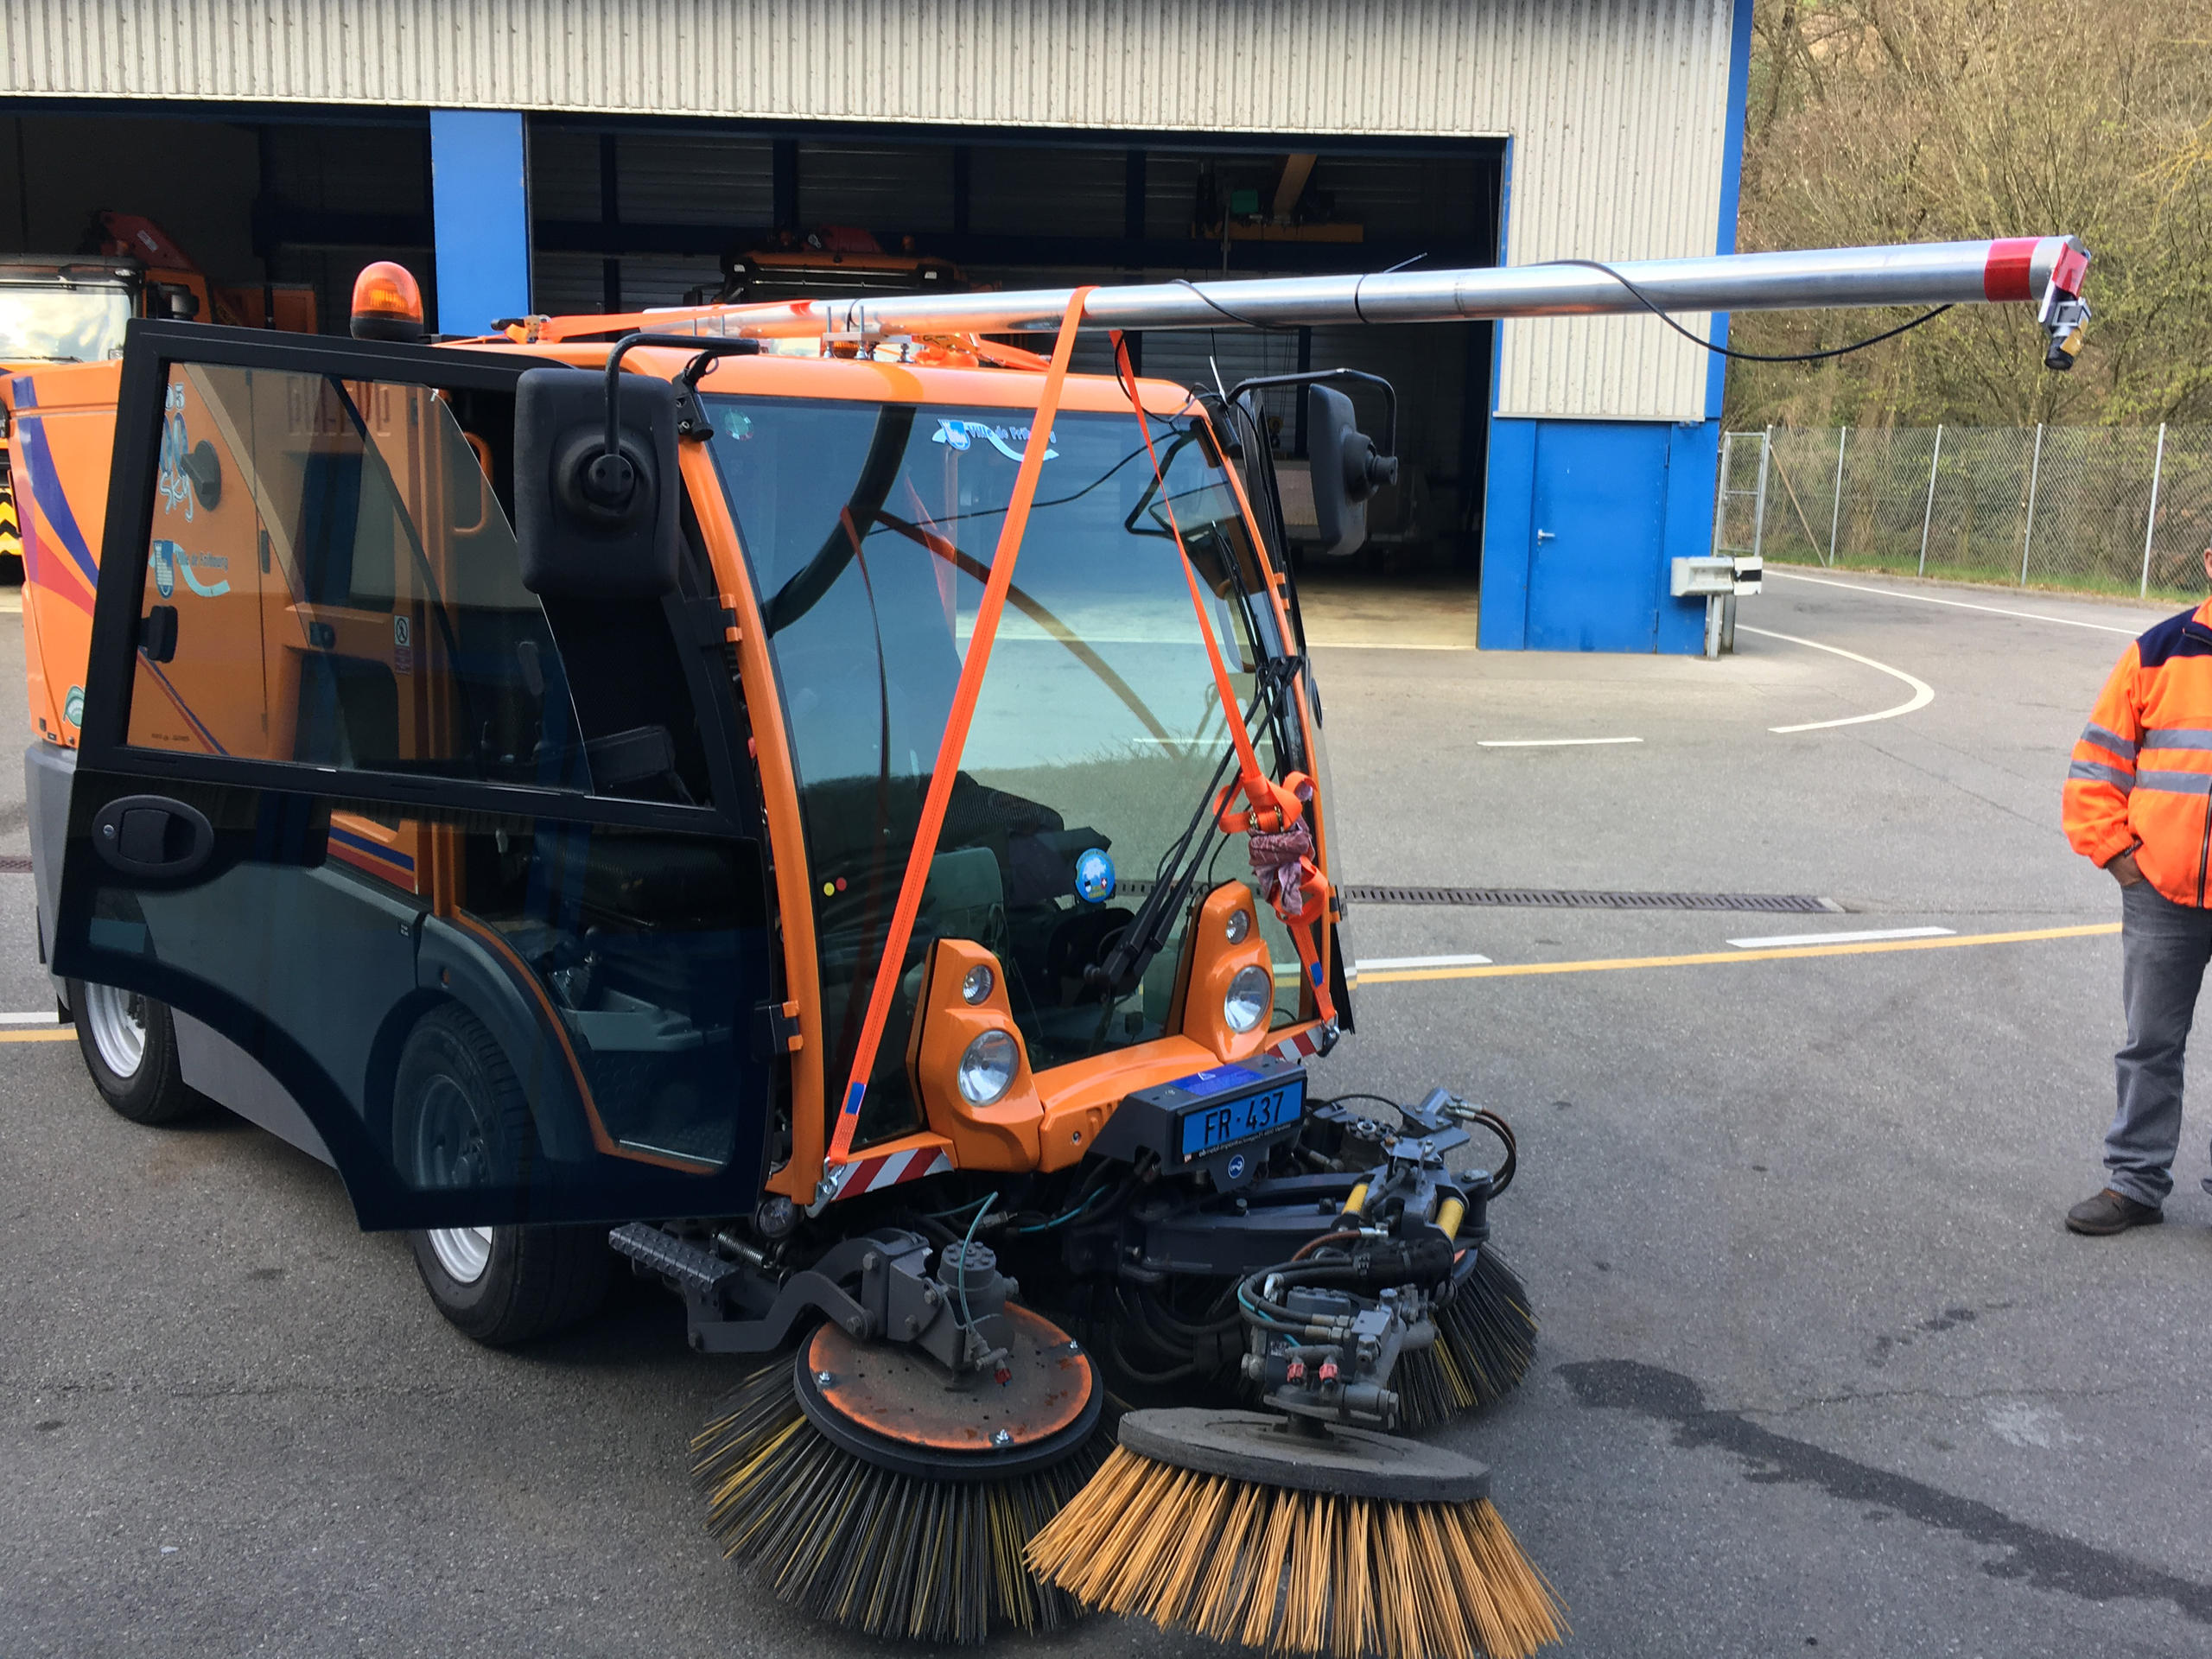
(148,1087)
(459,1119)
(536,1280)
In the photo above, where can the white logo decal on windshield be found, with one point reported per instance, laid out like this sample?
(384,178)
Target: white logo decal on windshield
(1007,440)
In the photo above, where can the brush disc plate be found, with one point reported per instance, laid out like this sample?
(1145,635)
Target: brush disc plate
(892,1406)
(1264,1450)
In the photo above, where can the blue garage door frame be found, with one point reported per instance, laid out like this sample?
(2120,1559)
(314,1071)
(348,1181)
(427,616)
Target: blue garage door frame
(480,205)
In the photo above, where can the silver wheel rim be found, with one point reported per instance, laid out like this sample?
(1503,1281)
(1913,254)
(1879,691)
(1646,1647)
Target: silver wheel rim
(463,1252)
(116,1021)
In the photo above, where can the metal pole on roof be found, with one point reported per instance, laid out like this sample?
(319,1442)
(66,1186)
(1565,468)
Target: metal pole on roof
(2028,535)
(2158,470)
(1929,517)
(1919,274)
(1835,515)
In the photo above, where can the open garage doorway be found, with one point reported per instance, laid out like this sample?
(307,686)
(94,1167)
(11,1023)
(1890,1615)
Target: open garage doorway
(289,198)
(632,213)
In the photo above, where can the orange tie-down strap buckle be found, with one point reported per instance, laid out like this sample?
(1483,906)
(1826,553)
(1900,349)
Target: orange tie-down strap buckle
(1279,838)
(955,740)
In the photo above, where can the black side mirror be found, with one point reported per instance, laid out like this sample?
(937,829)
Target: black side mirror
(592,522)
(1346,471)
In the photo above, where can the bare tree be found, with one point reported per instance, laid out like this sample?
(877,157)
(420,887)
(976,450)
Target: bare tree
(1924,120)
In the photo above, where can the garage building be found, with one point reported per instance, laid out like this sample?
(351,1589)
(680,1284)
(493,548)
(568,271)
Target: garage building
(561,155)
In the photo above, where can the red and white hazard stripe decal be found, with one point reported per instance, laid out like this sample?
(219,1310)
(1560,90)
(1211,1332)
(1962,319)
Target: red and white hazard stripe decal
(1299,1045)
(874,1175)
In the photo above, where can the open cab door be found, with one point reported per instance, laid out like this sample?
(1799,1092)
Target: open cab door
(473,871)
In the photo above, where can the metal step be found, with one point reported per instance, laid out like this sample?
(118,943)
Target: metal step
(695,1270)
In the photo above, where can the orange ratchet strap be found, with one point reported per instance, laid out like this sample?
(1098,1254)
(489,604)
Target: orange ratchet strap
(1281,844)
(956,732)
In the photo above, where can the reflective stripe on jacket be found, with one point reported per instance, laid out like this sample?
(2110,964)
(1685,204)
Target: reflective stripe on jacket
(2142,771)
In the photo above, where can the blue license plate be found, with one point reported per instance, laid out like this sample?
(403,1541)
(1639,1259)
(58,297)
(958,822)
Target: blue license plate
(1224,1123)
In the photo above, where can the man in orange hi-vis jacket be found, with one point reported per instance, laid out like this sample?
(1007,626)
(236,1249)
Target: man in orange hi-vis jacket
(2139,803)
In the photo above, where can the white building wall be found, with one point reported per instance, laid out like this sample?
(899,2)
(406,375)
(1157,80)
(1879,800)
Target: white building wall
(1616,109)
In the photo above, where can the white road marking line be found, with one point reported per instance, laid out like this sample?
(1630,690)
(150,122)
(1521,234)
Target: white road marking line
(1922,693)
(1381,963)
(1868,936)
(1956,604)
(49,1018)
(1547,742)
(1292,971)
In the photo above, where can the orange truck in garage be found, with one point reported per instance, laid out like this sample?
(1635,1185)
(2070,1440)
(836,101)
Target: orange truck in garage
(72,308)
(834,808)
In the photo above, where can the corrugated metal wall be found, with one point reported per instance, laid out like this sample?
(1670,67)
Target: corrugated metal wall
(1616,108)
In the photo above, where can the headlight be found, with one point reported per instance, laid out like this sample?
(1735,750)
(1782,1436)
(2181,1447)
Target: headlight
(987,1069)
(975,984)
(1251,997)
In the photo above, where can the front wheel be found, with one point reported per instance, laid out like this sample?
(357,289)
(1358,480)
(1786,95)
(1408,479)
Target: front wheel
(128,1041)
(460,1120)
(505,1284)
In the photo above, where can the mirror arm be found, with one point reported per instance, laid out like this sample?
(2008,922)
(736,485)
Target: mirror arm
(1389,394)
(704,347)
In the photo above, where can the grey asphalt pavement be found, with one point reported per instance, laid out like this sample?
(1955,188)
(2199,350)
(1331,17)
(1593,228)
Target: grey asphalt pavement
(1820,1371)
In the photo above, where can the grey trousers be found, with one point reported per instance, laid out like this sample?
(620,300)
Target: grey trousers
(2163,948)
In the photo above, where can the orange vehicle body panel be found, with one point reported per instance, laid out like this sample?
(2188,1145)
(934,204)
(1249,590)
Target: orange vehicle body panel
(235,700)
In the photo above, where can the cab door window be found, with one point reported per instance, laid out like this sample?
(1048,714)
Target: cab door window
(436,816)
(332,580)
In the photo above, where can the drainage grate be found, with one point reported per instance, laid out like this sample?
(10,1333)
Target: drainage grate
(1573,899)
(14,864)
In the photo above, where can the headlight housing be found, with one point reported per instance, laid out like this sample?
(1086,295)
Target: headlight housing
(987,1068)
(1250,998)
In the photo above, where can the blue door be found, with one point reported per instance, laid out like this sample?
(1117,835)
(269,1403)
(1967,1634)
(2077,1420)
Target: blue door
(1596,571)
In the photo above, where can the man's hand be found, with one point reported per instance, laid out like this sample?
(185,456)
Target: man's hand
(2124,870)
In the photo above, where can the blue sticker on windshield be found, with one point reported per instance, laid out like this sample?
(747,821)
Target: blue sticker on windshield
(1094,876)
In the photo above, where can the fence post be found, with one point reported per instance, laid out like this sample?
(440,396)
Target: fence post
(1836,514)
(1929,517)
(2028,535)
(1759,513)
(2158,469)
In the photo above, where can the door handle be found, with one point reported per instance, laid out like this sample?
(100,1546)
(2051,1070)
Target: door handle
(1545,536)
(153,836)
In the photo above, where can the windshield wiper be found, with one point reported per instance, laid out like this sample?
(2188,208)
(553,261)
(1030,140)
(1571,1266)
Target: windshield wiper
(886,452)
(1148,931)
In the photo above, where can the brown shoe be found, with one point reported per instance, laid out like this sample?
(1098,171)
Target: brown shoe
(2111,1212)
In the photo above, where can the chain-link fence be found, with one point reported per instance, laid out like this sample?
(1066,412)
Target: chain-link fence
(2100,509)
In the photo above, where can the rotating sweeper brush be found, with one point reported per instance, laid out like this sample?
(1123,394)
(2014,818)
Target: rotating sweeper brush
(1286,1535)
(881,1494)
(1485,1329)
(898,1464)
(890,1487)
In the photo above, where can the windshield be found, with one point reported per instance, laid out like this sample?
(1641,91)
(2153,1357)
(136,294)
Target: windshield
(870,529)
(49,323)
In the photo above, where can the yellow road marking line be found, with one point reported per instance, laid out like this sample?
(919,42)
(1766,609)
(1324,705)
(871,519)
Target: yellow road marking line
(1517,969)
(1522,969)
